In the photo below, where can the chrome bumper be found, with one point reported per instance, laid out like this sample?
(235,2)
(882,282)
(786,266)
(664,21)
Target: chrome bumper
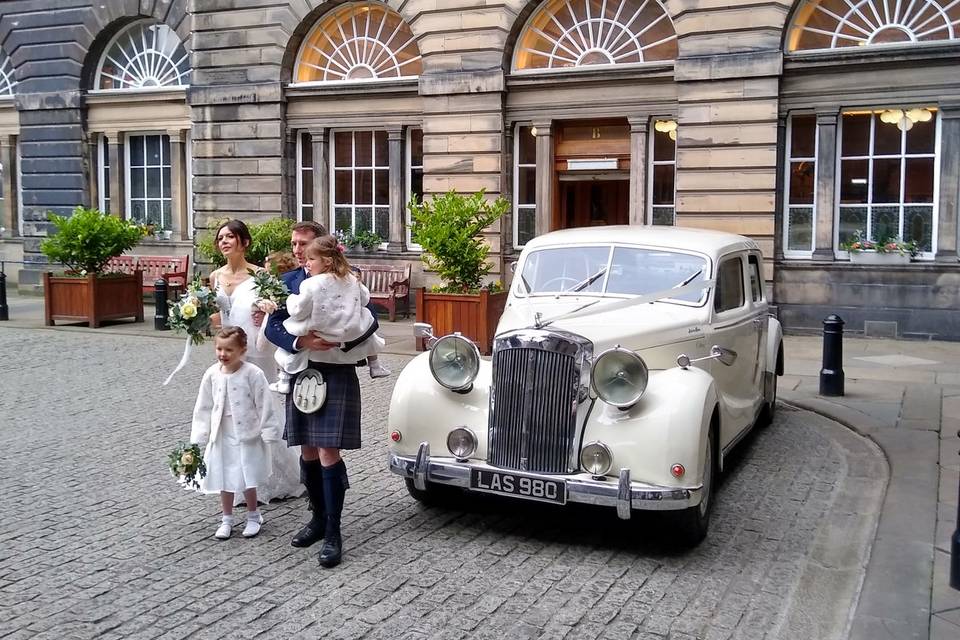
(623,494)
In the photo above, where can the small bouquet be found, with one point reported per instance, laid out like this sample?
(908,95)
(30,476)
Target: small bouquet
(191,313)
(271,291)
(186,462)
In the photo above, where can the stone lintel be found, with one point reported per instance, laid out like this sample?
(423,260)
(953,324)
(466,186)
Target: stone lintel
(487,81)
(729,66)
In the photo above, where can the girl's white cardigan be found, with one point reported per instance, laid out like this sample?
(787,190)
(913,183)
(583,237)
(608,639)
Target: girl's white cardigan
(255,414)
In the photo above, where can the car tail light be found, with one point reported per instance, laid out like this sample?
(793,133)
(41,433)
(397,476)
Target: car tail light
(395,436)
(677,470)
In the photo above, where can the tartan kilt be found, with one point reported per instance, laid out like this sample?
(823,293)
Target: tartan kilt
(335,425)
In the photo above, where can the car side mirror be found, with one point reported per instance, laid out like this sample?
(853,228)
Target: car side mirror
(513,267)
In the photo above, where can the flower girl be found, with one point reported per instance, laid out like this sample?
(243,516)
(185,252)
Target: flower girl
(235,417)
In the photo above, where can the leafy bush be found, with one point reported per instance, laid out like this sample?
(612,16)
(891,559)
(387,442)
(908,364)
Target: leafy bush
(269,236)
(367,240)
(886,245)
(448,229)
(86,240)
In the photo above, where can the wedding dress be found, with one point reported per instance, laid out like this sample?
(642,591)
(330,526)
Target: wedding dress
(236,310)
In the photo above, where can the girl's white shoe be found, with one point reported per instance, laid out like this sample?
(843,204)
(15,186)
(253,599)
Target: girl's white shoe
(225,528)
(254,520)
(377,370)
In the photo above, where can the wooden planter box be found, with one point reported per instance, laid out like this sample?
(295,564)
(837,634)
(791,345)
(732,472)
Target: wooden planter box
(92,299)
(473,315)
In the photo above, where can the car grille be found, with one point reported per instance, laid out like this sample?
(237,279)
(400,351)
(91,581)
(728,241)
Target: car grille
(533,403)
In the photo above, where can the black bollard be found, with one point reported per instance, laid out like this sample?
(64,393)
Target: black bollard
(955,550)
(831,375)
(160,302)
(4,310)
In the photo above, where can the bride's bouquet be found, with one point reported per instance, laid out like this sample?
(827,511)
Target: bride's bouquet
(186,463)
(191,314)
(271,291)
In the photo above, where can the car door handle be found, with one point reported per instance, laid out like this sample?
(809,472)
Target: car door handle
(758,322)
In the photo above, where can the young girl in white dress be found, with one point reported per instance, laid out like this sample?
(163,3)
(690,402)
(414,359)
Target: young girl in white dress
(332,304)
(235,418)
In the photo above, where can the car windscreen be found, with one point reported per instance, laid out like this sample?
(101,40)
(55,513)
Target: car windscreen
(615,270)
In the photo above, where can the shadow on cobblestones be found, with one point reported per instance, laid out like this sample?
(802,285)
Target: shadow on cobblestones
(99,542)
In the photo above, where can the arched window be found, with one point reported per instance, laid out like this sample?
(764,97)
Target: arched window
(7,79)
(144,55)
(834,24)
(358,41)
(576,33)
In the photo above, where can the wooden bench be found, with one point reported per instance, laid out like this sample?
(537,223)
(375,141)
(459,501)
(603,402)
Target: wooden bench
(389,286)
(172,269)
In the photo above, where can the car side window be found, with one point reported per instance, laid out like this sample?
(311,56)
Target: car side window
(729,294)
(756,283)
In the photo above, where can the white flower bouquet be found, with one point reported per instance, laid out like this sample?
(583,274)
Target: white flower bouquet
(186,463)
(192,312)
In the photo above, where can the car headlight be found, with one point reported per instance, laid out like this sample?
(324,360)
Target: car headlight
(620,377)
(595,459)
(462,443)
(455,362)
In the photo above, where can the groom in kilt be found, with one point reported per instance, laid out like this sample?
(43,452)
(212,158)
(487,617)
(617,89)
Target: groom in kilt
(334,426)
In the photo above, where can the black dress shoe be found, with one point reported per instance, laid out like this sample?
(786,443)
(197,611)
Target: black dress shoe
(311,533)
(331,552)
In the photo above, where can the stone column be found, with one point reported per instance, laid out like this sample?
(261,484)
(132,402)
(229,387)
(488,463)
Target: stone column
(826,195)
(93,153)
(118,176)
(179,211)
(397,239)
(779,211)
(8,156)
(507,170)
(321,178)
(638,168)
(949,197)
(545,171)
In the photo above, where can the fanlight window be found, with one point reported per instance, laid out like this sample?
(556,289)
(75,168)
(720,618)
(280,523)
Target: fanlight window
(145,55)
(359,41)
(578,33)
(833,24)
(7,80)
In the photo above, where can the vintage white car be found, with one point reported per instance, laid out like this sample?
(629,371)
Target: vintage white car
(627,364)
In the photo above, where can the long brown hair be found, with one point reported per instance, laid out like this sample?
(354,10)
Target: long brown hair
(328,247)
(239,229)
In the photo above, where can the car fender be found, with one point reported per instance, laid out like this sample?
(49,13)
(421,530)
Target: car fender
(774,342)
(669,425)
(423,410)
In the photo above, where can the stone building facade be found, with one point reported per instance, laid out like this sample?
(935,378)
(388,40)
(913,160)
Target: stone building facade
(800,123)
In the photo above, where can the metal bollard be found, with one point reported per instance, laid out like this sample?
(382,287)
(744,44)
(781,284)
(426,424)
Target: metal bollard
(831,375)
(4,309)
(955,550)
(160,302)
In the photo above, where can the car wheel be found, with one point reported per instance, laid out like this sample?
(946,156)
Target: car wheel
(433,496)
(769,399)
(690,525)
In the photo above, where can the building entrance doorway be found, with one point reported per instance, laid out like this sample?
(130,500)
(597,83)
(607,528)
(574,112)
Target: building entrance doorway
(593,202)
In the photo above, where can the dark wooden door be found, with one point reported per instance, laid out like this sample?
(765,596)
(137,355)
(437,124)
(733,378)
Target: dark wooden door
(589,203)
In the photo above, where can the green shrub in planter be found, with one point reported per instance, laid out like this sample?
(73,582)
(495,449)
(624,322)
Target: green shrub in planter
(448,229)
(267,237)
(86,240)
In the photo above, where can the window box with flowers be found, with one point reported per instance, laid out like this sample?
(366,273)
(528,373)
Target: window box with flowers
(888,251)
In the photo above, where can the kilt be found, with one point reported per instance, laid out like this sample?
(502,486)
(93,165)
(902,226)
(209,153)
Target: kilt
(335,425)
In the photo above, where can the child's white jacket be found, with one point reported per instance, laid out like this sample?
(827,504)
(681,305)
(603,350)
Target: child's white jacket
(331,307)
(255,413)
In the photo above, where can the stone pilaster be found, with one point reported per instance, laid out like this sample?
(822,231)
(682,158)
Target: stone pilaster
(638,168)
(826,186)
(949,198)
(545,176)
(397,239)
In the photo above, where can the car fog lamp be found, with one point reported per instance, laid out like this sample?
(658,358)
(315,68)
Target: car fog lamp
(596,459)
(455,362)
(620,377)
(461,442)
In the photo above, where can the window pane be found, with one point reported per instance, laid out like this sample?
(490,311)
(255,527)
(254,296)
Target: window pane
(885,223)
(886,180)
(921,138)
(383,186)
(165,149)
(381,154)
(382,222)
(527,185)
(343,149)
(363,191)
(918,185)
(526,224)
(363,219)
(153,212)
(138,211)
(306,150)
(856,134)
(853,181)
(663,147)
(886,138)
(802,185)
(416,183)
(918,226)
(663,216)
(416,147)
(137,183)
(165,174)
(136,151)
(800,229)
(153,150)
(363,155)
(527,143)
(852,220)
(756,284)
(343,187)
(729,292)
(153,183)
(341,218)
(306,187)
(663,177)
(167,220)
(803,135)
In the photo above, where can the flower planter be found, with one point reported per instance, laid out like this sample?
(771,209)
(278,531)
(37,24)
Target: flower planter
(473,315)
(92,298)
(872,257)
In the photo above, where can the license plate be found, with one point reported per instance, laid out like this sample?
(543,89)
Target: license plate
(519,486)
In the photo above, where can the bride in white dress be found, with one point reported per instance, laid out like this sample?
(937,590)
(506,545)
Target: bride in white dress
(235,297)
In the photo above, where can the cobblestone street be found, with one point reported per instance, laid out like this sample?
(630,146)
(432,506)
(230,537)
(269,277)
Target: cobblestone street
(98,541)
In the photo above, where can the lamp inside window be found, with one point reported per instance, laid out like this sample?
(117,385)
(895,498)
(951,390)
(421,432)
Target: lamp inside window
(905,118)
